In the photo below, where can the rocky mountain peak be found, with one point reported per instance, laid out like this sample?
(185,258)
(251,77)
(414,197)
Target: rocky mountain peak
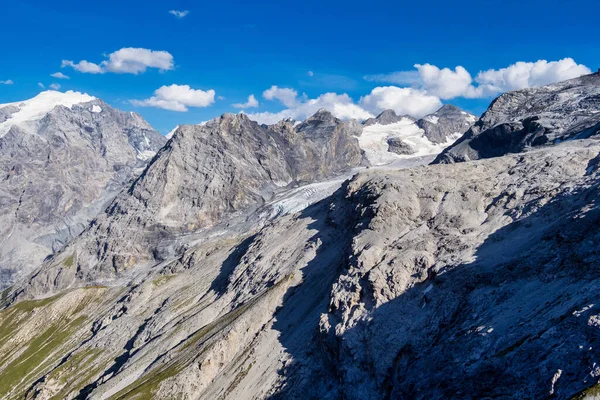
(69,154)
(322,115)
(26,113)
(533,117)
(448,109)
(446,124)
(202,178)
(386,117)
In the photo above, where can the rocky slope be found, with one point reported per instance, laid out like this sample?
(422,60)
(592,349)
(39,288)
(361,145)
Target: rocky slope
(389,137)
(64,156)
(357,296)
(446,124)
(205,175)
(468,280)
(524,119)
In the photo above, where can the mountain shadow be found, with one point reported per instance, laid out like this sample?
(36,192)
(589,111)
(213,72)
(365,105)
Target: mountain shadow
(518,322)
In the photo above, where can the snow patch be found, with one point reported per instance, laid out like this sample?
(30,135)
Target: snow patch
(432,118)
(36,108)
(146,155)
(373,141)
(96,109)
(298,199)
(170,134)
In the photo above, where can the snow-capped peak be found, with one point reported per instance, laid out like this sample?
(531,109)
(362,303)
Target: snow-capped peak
(36,108)
(170,134)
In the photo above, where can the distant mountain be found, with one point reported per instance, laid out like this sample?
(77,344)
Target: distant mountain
(446,124)
(65,155)
(386,117)
(523,119)
(389,137)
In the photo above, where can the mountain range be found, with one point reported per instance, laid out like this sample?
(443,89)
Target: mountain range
(314,259)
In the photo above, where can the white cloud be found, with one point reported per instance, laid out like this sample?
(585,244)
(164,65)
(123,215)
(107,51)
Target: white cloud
(179,14)
(410,101)
(177,98)
(54,86)
(7,82)
(40,84)
(59,75)
(127,60)
(83,66)
(449,83)
(251,103)
(310,73)
(340,105)
(285,95)
(522,75)
(446,83)
(413,102)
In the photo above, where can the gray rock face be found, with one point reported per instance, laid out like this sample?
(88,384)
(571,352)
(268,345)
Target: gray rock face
(386,117)
(423,283)
(320,147)
(7,111)
(523,119)
(396,145)
(204,175)
(471,280)
(60,170)
(447,123)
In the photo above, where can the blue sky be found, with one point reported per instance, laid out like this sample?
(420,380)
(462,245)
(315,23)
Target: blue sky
(238,48)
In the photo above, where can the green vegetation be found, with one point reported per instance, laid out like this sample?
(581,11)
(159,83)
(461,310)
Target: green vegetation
(25,360)
(76,372)
(37,354)
(69,261)
(12,316)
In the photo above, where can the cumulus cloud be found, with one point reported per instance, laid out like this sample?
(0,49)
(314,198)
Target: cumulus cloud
(285,95)
(413,102)
(127,60)
(179,14)
(7,82)
(409,101)
(54,86)
(251,103)
(59,75)
(447,83)
(522,75)
(83,66)
(177,98)
(340,105)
